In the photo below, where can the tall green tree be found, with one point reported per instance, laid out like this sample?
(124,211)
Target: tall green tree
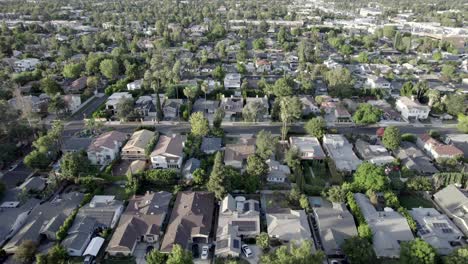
(125,109)
(25,252)
(256,166)
(109,68)
(370,177)
(359,250)
(265,144)
(462,125)
(316,127)
(417,251)
(72,70)
(458,256)
(199,124)
(155,257)
(291,110)
(391,138)
(50,86)
(179,256)
(367,114)
(74,164)
(217,181)
(340,82)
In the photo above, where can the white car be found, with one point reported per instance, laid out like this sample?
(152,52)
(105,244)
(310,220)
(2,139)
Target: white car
(204,252)
(247,251)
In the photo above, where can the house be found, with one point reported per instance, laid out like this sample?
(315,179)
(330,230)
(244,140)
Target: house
(335,224)
(136,145)
(309,148)
(72,101)
(135,85)
(376,82)
(277,172)
(414,159)
(44,220)
(375,154)
(211,145)
(169,152)
(309,107)
(14,216)
(207,107)
(191,220)
(114,99)
(453,202)
(389,228)
(23,65)
(76,144)
(458,140)
(341,114)
(341,152)
(77,85)
(171,108)
(288,225)
(145,106)
(232,106)
(437,230)
(436,149)
(142,221)
(411,109)
(93,248)
(238,218)
(106,147)
(189,168)
(263,65)
(232,81)
(236,155)
(36,104)
(102,212)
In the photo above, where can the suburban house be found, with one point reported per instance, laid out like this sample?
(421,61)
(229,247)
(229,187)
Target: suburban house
(389,228)
(309,148)
(376,82)
(236,155)
(23,65)
(263,65)
(142,221)
(45,220)
(114,99)
(106,147)
(437,230)
(14,215)
(191,220)
(232,81)
(288,225)
(232,107)
(171,108)
(454,203)
(207,107)
(375,154)
(135,85)
(189,168)
(169,152)
(211,145)
(341,152)
(414,159)
(458,140)
(72,101)
(238,218)
(309,106)
(136,145)
(411,108)
(277,172)
(436,149)
(146,106)
(77,85)
(76,144)
(335,224)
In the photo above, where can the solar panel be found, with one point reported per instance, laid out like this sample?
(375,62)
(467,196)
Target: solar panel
(222,243)
(447,230)
(236,243)
(245,226)
(440,225)
(423,232)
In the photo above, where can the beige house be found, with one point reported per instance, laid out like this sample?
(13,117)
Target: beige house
(135,147)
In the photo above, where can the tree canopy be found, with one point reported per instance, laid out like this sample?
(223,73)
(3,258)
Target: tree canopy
(367,114)
(359,250)
(370,177)
(199,124)
(391,138)
(316,127)
(417,251)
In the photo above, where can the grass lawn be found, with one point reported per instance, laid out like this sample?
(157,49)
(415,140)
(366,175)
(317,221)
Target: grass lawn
(276,200)
(410,201)
(118,191)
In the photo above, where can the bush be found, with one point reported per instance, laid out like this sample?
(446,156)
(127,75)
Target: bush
(160,177)
(408,137)
(63,230)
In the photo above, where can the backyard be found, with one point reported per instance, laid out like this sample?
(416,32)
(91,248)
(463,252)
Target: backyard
(411,200)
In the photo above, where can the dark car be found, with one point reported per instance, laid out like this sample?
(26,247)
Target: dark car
(195,251)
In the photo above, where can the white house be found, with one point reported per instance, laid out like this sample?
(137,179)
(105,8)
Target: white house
(26,65)
(376,82)
(277,173)
(411,109)
(135,85)
(106,147)
(168,153)
(115,98)
(437,150)
(232,81)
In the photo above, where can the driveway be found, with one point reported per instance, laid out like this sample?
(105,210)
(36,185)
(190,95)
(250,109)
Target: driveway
(140,252)
(13,178)
(257,253)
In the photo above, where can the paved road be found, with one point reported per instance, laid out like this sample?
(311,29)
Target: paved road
(88,110)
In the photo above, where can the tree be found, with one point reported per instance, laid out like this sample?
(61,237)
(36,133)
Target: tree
(109,68)
(218,73)
(316,127)
(339,81)
(74,164)
(292,157)
(57,254)
(448,72)
(462,125)
(125,109)
(291,110)
(455,104)
(263,241)
(218,118)
(363,57)
(256,166)
(217,180)
(72,70)
(25,252)
(367,114)
(365,232)
(50,86)
(420,90)
(359,250)
(254,111)
(155,257)
(259,44)
(336,194)
(265,144)
(417,251)
(370,177)
(407,89)
(199,124)
(37,160)
(391,138)
(57,104)
(419,184)
(179,256)
(304,202)
(282,87)
(295,254)
(199,176)
(458,256)
(437,56)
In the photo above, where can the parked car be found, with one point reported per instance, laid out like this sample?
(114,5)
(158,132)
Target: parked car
(89,260)
(195,252)
(204,252)
(247,251)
